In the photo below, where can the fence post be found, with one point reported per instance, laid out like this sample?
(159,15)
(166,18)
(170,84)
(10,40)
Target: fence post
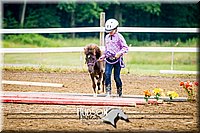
(172,59)
(102,23)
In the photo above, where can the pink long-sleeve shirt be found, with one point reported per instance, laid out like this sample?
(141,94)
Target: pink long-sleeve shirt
(115,44)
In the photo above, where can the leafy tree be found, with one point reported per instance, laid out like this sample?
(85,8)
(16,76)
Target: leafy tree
(80,14)
(9,20)
(87,13)
(140,15)
(68,14)
(149,8)
(180,15)
(74,14)
(42,18)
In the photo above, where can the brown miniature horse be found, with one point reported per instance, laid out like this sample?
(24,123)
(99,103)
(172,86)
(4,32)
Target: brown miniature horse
(95,67)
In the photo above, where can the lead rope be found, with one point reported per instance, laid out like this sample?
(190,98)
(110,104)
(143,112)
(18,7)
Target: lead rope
(120,61)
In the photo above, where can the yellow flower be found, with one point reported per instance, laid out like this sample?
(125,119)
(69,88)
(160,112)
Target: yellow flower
(172,94)
(157,91)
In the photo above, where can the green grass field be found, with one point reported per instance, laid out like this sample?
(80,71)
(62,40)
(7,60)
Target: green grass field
(135,62)
(36,40)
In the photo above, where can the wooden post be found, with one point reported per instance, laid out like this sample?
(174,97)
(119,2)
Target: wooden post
(102,24)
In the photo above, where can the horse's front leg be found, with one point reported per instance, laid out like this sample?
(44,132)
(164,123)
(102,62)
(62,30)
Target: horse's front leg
(93,82)
(99,81)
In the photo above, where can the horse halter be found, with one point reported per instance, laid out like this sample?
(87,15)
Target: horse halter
(89,57)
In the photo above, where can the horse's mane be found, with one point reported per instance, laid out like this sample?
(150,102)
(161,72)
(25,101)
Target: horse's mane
(92,49)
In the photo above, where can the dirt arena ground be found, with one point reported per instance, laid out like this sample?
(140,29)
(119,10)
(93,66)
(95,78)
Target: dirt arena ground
(177,116)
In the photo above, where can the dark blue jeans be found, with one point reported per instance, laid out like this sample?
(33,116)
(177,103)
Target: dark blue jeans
(108,72)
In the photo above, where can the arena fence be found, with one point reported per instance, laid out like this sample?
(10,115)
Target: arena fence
(101,30)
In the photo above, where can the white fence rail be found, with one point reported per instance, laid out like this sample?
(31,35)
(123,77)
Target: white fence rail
(80,49)
(99,29)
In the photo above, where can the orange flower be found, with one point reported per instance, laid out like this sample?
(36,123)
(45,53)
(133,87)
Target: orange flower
(181,83)
(147,93)
(186,85)
(189,87)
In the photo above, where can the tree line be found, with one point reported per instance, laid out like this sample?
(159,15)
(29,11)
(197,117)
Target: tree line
(74,14)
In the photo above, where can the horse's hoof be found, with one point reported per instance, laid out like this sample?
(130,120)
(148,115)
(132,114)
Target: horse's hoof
(108,95)
(94,95)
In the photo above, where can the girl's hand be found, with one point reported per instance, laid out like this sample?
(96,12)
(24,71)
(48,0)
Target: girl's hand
(101,59)
(117,55)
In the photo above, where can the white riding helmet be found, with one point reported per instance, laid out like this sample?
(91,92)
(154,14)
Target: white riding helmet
(111,24)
